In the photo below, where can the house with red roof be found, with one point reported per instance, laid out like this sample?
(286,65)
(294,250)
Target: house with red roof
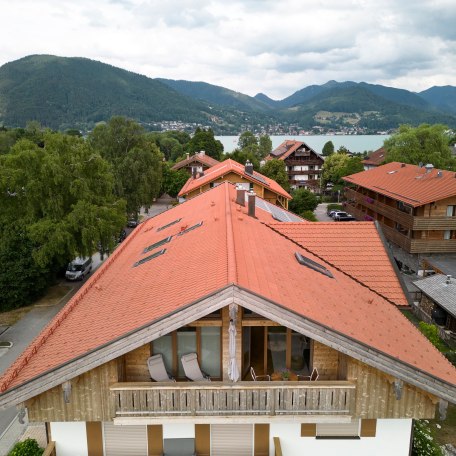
(414,205)
(302,163)
(196,163)
(306,352)
(374,159)
(243,176)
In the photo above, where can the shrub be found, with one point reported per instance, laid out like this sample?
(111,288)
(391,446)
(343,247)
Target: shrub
(432,333)
(29,447)
(424,443)
(334,207)
(308,215)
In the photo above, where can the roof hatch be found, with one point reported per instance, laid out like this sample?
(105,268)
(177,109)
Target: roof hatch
(313,265)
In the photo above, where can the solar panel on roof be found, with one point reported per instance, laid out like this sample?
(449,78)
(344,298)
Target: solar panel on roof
(313,265)
(277,213)
(260,179)
(150,257)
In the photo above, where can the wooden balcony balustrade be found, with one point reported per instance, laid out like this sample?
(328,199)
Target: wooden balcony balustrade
(406,220)
(233,399)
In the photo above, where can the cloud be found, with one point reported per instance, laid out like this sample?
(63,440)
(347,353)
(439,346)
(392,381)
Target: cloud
(249,46)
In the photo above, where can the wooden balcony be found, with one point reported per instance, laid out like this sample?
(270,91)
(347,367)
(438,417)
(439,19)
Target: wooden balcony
(406,220)
(194,399)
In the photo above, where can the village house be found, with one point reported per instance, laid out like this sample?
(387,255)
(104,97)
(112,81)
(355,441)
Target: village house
(374,159)
(263,341)
(242,175)
(302,163)
(196,163)
(414,205)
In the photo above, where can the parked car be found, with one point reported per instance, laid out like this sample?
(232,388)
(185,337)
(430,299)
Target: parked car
(338,214)
(132,223)
(122,236)
(78,268)
(347,218)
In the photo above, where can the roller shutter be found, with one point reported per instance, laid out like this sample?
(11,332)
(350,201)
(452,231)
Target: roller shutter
(231,439)
(125,440)
(338,429)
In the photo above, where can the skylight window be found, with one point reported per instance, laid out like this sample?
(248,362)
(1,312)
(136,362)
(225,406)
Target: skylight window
(190,228)
(169,224)
(150,257)
(157,244)
(313,265)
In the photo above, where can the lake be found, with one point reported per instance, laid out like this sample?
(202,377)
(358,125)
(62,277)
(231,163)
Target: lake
(354,143)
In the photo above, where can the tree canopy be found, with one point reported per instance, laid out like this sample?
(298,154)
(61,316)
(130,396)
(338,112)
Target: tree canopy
(205,140)
(173,180)
(425,144)
(339,165)
(328,149)
(275,169)
(303,201)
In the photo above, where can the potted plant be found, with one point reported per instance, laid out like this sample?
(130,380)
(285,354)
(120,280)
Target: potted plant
(286,375)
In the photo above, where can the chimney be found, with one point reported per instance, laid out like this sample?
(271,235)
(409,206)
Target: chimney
(240,196)
(429,167)
(188,156)
(448,279)
(202,152)
(439,173)
(402,165)
(248,167)
(251,204)
(194,172)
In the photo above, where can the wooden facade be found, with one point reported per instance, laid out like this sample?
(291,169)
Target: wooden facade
(254,185)
(304,162)
(423,229)
(122,388)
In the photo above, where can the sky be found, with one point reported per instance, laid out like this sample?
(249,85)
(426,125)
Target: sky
(274,47)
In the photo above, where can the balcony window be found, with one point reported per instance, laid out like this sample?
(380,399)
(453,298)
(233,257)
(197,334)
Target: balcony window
(405,207)
(210,350)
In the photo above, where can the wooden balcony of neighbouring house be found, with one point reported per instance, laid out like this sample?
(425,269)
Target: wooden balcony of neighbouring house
(212,400)
(406,220)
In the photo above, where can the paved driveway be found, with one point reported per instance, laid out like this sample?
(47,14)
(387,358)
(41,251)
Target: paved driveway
(320,213)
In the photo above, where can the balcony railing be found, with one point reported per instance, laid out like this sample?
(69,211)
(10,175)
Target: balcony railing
(233,399)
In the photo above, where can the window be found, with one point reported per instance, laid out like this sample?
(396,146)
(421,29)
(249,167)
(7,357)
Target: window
(148,258)
(169,224)
(338,430)
(451,211)
(157,244)
(251,186)
(190,229)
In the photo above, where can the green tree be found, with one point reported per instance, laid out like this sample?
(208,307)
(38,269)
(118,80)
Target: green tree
(205,140)
(247,138)
(63,194)
(303,200)
(275,169)
(339,165)
(328,149)
(173,180)
(135,160)
(264,146)
(425,144)
(241,156)
(343,150)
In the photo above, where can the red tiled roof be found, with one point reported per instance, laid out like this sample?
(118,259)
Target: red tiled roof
(375,158)
(407,183)
(198,157)
(287,148)
(355,248)
(226,167)
(228,248)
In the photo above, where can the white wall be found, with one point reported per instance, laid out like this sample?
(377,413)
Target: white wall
(392,439)
(178,431)
(70,438)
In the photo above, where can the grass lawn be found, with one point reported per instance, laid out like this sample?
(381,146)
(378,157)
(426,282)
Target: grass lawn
(52,297)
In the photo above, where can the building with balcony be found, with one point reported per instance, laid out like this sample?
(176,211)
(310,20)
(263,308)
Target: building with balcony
(415,207)
(243,176)
(196,163)
(340,369)
(302,163)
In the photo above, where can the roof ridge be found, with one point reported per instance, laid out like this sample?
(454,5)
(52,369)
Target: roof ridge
(331,264)
(13,371)
(231,257)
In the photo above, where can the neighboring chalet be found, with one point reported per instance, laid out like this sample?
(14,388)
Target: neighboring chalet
(197,163)
(374,159)
(244,176)
(344,372)
(302,163)
(415,206)
(438,304)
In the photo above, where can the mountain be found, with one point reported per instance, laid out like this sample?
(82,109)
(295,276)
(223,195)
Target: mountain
(366,106)
(443,97)
(216,95)
(65,92)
